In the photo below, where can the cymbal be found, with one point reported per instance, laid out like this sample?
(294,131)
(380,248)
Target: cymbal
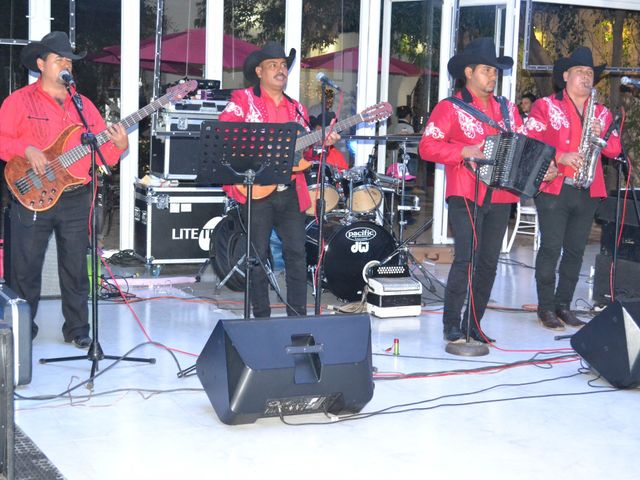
(386,138)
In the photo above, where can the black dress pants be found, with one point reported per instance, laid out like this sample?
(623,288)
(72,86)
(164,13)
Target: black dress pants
(30,232)
(279,210)
(490,228)
(565,222)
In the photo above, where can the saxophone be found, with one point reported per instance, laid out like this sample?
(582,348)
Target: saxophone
(590,147)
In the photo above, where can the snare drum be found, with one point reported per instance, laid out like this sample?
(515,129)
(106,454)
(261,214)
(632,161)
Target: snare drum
(348,248)
(331,194)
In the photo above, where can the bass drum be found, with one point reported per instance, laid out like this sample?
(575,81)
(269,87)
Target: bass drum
(228,245)
(348,248)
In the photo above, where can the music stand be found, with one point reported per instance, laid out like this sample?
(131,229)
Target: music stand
(248,153)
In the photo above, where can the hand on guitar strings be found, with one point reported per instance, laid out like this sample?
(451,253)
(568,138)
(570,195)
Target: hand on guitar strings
(36,159)
(118,135)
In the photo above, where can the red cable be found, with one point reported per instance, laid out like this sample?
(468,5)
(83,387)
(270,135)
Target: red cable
(618,239)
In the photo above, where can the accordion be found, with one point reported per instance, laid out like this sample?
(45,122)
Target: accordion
(519,163)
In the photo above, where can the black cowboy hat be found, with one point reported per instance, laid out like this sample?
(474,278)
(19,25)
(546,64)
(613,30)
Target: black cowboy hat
(56,42)
(581,57)
(269,50)
(481,51)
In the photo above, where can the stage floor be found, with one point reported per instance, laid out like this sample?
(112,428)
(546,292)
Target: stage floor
(142,422)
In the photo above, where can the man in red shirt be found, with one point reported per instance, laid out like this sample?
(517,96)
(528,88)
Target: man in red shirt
(267,71)
(31,119)
(451,135)
(565,212)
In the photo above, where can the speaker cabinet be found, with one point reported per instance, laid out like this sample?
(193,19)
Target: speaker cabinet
(287,366)
(610,344)
(7,440)
(627,275)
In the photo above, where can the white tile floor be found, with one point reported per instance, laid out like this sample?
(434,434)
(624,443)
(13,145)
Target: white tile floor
(122,435)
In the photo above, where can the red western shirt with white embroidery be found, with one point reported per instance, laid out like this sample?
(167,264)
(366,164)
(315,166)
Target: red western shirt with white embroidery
(250,105)
(450,129)
(554,120)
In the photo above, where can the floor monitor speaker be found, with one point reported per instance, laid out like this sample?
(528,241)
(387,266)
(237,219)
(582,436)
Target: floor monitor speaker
(610,344)
(287,366)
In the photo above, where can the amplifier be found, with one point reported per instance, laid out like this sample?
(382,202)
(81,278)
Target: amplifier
(175,145)
(629,248)
(627,286)
(174,224)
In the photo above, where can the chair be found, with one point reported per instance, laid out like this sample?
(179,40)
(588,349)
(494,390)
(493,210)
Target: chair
(526,224)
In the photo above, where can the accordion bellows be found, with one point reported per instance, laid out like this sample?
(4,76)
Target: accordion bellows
(518,163)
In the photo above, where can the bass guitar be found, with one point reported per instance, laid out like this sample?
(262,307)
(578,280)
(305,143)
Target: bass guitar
(41,192)
(373,114)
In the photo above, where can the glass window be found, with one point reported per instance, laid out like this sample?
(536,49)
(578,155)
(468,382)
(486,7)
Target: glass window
(247,24)
(330,45)
(13,26)
(415,57)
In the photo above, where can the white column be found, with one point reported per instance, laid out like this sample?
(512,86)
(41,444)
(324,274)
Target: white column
(39,23)
(214,39)
(129,103)
(293,39)
(512,38)
(385,56)
(368,54)
(440,218)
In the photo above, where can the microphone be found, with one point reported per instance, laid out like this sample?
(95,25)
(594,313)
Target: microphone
(615,125)
(67,78)
(322,77)
(630,82)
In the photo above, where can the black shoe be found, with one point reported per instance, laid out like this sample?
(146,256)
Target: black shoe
(80,341)
(452,333)
(549,320)
(479,337)
(34,330)
(569,318)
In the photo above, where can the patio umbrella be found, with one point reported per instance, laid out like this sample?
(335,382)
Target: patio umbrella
(166,67)
(186,47)
(347,60)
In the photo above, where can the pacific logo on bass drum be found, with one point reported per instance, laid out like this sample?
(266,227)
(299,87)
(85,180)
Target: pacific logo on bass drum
(361,234)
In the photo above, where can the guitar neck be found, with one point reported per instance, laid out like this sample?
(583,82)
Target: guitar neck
(69,158)
(315,137)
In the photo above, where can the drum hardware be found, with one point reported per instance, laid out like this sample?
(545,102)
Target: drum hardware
(227,240)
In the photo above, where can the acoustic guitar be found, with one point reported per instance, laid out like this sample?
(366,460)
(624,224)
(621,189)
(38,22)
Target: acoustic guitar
(41,192)
(375,113)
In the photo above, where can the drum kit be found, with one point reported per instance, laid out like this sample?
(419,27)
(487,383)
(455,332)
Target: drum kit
(359,229)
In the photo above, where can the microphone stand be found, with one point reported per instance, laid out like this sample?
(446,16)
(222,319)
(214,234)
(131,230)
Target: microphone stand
(320,206)
(95,353)
(469,348)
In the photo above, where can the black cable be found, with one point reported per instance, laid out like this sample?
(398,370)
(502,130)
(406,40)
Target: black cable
(392,410)
(100,373)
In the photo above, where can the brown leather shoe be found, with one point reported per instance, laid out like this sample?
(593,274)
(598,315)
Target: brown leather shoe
(569,318)
(549,320)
